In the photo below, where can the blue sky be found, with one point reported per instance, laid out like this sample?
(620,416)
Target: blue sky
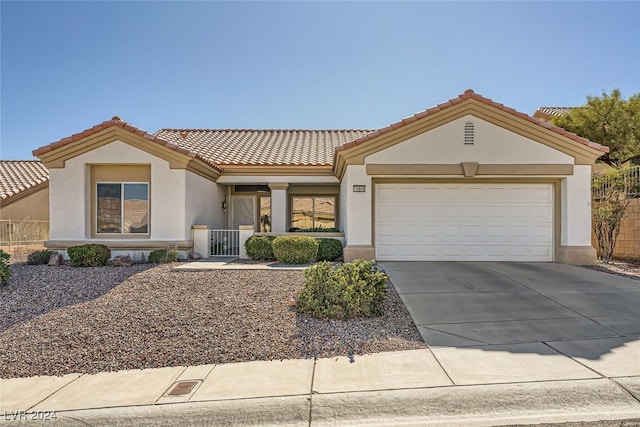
(67,66)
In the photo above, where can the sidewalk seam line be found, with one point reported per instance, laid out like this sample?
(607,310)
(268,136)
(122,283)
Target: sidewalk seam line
(64,386)
(313,377)
(625,389)
(577,361)
(440,364)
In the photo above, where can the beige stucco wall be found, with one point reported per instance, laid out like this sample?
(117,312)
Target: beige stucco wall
(445,145)
(356,208)
(203,203)
(70,189)
(35,206)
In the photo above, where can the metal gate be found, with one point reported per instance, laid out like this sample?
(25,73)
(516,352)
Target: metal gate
(224,243)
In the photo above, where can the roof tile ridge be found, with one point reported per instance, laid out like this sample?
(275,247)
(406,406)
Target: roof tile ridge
(262,130)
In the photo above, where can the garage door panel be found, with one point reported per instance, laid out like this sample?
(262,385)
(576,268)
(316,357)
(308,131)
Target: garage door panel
(464,222)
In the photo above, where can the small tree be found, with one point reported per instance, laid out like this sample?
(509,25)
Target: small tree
(609,120)
(610,199)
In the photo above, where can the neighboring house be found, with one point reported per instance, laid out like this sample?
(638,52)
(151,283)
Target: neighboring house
(548,113)
(24,201)
(468,179)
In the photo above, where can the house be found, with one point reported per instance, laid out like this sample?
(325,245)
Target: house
(548,113)
(469,179)
(24,202)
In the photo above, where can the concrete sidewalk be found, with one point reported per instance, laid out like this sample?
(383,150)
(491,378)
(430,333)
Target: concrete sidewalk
(440,386)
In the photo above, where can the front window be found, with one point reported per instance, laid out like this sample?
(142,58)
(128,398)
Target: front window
(313,212)
(122,208)
(265,214)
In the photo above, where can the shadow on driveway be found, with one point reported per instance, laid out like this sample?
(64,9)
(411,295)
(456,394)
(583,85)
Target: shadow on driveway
(520,307)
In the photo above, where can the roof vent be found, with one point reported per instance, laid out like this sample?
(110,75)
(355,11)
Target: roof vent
(116,118)
(468,133)
(183,134)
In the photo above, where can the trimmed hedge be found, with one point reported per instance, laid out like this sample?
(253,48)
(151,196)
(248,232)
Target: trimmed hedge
(40,257)
(354,289)
(5,271)
(317,230)
(260,248)
(163,256)
(295,249)
(91,255)
(329,249)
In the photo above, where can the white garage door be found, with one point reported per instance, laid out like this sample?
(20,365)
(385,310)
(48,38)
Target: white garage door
(464,222)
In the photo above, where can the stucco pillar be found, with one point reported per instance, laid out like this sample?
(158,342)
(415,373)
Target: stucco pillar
(201,239)
(355,214)
(278,206)
(246,231)
(575,237)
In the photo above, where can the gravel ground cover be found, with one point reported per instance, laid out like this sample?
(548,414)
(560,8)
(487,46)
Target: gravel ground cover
(629,269)
(58,320)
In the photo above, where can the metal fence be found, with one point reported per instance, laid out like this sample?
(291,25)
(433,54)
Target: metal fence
(23,232)
(224,242)
(631,177)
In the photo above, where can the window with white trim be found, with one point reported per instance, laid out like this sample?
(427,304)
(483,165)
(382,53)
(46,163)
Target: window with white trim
(122,208)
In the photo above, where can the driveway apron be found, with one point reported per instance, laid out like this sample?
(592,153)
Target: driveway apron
(460,304)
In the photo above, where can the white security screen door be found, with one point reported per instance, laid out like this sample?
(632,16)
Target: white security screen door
(243,211)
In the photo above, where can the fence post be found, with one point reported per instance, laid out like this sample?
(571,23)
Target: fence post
(246,231)
(10,235)
(201,240)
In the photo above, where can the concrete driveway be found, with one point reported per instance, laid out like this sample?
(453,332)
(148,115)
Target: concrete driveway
(571,309)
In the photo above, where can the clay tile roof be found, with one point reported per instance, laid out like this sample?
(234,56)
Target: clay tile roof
(20,175)
(118,122)
(268,147)
(470,94)
(547,113)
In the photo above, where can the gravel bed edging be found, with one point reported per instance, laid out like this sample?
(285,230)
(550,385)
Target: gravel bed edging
(146,316)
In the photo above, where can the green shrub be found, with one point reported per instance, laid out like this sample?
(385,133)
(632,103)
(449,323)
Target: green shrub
(163,255)
(354,289)
(295,249)
(5,271)
(40,257)
(329,249)
(91,255)
(260,247)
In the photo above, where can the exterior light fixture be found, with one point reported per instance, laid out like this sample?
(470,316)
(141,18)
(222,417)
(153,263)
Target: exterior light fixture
(359,188)
(224,204)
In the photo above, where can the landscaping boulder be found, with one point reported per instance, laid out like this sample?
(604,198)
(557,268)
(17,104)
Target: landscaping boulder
(55,260)
(194,255)
(122,261)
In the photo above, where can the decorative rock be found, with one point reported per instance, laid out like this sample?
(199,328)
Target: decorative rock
(122,261)
(194,255)
(55,260)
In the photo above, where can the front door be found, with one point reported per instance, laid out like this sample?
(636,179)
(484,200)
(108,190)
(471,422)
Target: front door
(243,211)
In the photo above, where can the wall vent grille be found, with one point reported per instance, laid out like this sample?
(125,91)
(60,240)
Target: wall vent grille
(468,133)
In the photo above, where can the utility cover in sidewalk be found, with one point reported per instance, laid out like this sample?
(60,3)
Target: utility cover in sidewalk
(183,387)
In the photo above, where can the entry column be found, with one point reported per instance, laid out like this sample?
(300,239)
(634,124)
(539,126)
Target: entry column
(278,206)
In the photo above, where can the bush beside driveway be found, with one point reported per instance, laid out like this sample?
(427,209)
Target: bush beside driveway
(64,320)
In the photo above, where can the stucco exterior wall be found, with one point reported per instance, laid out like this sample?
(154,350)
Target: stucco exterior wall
(492,145)
(35,206)
(356,208)
(203,202)
(70,202)
(576,208)
(445,145)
